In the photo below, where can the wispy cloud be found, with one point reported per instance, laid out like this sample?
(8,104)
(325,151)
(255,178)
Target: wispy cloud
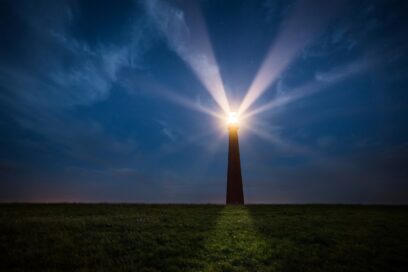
(320,83)
(65,71)
(167,130)
(289,42)
(41,91)
(191,43)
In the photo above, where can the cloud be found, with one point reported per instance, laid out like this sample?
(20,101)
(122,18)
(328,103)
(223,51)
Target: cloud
(191,42)
(356,32)
(71,132)
(47,79)
(276,9)
(321,82)
(281,88)
(342,72)
(171,23)
(58,70)
(298,31)
(82,140)
(54,72)
(170,132)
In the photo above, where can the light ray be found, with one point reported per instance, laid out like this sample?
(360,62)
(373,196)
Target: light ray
(157,90)
(324,81)
(188,141)
(247,243)
(187,35)
(299,30)
(279,142)
(191,104)
(201,58)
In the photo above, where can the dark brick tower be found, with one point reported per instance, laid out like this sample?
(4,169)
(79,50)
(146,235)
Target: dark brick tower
(235,193)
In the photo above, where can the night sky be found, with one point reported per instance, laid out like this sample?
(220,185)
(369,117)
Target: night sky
(119,101)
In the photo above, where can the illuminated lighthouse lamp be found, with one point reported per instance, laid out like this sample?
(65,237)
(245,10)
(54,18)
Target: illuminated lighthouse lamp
(232,119)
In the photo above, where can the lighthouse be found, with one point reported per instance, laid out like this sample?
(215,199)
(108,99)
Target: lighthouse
(235,192)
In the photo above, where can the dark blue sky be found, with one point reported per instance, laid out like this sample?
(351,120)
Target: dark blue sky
(107,100)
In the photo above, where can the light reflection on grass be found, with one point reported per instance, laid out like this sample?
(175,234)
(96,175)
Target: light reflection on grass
(234,244)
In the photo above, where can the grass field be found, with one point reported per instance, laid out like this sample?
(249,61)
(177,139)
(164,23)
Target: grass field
(104,237)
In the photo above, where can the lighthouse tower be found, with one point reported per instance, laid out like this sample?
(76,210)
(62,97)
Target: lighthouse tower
(235,192)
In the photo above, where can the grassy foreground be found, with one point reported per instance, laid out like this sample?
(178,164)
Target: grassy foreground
(103,237)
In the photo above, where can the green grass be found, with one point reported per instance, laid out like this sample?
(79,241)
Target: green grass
(103,237)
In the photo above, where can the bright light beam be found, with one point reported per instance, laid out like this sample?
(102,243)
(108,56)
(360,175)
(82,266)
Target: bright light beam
(159,91)
(187,35)
(193,140)
(299,30)
(313,87)
(188,103)
(279,142)
(201,58)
